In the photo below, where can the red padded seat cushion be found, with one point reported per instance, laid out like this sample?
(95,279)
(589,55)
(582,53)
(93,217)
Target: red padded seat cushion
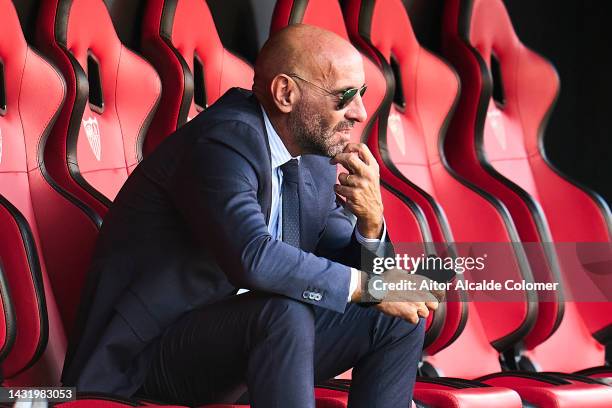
(572,394)
(444,396)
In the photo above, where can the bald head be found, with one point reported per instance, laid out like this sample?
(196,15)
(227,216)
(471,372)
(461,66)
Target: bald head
(305,50)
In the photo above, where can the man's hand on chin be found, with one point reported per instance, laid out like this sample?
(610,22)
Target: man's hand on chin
(360,188)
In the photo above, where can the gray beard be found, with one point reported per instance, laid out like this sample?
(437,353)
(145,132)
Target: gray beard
(313,133)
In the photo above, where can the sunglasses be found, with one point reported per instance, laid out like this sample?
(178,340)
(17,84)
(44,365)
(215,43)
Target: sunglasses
(345,96)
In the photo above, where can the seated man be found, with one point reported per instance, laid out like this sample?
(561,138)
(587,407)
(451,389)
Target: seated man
(244,197)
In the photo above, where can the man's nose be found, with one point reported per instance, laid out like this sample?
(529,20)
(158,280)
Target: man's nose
(356,110)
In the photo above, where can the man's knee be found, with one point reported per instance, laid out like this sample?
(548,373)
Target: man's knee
(395,329)
(290,316)
(403,329)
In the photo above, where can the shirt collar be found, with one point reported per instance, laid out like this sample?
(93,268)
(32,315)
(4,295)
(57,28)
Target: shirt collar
(278,152)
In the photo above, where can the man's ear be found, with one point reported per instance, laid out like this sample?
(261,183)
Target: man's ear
(284,93)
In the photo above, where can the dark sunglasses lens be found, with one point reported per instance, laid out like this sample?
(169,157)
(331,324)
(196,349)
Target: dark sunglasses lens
(363,89)
(347,96)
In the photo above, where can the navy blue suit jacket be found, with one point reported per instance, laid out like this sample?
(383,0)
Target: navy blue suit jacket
(188,228)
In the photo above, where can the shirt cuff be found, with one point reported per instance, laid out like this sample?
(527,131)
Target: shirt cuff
(373,244)
(354,282)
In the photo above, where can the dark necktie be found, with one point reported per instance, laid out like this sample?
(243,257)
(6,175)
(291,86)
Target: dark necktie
(291,203)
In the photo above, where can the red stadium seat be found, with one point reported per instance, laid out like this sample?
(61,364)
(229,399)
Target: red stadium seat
(32,94)
(111,97)
(181,41)
(495,141)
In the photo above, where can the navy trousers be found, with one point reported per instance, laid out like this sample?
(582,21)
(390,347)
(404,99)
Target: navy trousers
(279,348)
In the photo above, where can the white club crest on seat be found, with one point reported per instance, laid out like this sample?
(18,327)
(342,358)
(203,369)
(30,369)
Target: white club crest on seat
(397,130)
(92,130)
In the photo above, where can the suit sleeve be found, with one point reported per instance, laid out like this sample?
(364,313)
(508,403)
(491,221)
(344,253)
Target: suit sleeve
(215,190)
(339,241)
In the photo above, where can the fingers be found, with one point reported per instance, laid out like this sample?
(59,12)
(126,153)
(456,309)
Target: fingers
(349,180)
(408,311)
(356,157)
(341,199)
(352,181)
(408,291)
(422,310)
(360,188)
(412,318)
(349,184)
(345,191)
(407,303)
(362,150)
(351,162)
